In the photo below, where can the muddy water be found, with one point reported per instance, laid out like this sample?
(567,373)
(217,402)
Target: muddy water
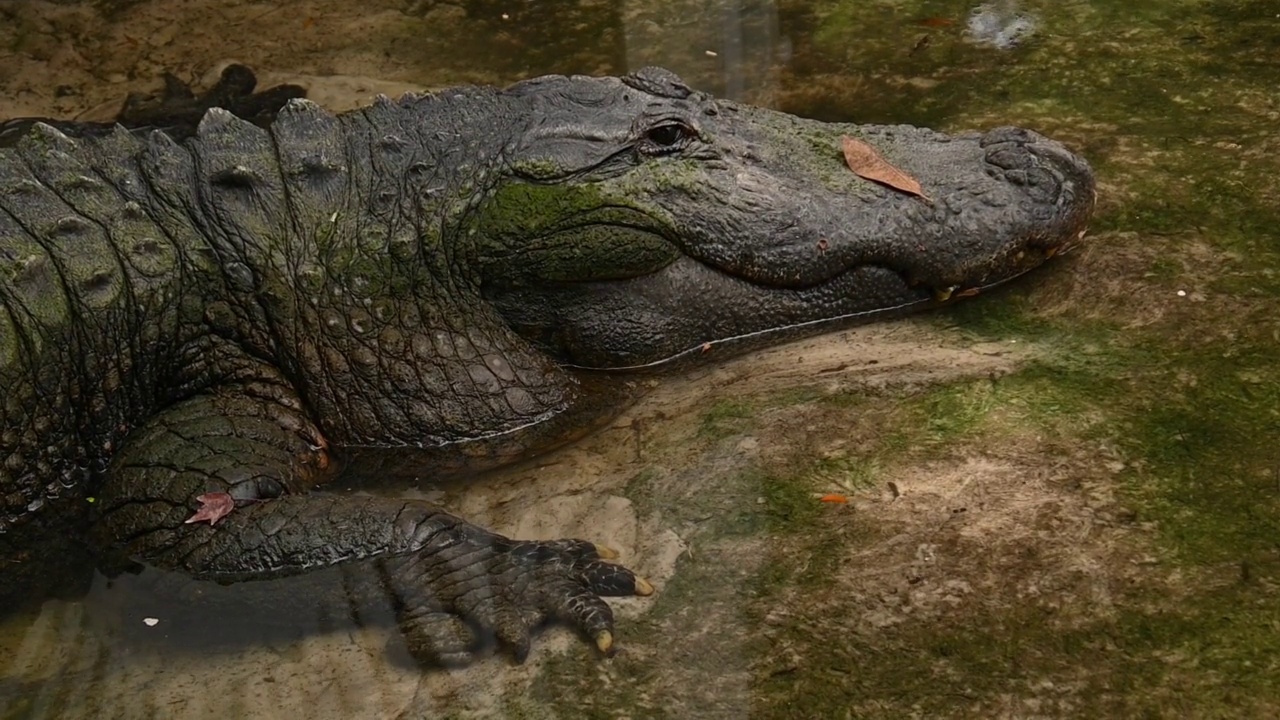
(1063,499)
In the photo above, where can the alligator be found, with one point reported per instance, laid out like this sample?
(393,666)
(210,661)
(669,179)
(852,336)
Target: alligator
(203,340)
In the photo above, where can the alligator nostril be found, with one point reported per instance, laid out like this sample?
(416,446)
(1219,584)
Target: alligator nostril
(1065,166)
(1007,134)
(1043,177)
(1010,156)
(1043,184)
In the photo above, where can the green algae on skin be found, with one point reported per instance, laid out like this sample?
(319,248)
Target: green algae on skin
(538,231)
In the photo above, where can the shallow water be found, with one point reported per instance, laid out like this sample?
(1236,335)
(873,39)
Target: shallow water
(1063,497)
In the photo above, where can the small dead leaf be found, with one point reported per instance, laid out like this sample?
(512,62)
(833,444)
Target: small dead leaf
(834,498)
(706,347)
(866,163)
(213,507)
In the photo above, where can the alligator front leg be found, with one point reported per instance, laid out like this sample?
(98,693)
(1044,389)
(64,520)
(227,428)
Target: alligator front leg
(456,586)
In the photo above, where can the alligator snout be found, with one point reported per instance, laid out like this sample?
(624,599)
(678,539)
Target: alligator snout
(1052,195)
(1003,201)
(1048,173)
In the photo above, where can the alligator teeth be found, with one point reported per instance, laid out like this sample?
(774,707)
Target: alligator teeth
(943,294)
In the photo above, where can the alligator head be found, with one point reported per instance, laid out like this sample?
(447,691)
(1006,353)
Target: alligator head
(640,221)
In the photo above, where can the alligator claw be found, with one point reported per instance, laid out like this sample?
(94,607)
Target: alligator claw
(643,588)
(604,641)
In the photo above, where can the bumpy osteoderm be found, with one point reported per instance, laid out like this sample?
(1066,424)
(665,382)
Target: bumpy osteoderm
(200,335)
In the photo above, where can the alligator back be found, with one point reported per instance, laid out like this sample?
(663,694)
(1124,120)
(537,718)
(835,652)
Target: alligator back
(90,280)
(111,250)
(135,271)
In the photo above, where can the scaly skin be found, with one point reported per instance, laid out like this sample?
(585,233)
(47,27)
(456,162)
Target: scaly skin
(416,288)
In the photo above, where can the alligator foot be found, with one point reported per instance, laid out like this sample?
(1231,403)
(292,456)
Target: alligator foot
(176,110)
(488,590)
(224,487)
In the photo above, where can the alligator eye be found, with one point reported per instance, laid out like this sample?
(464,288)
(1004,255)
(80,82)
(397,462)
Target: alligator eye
(666,135)
(666,138)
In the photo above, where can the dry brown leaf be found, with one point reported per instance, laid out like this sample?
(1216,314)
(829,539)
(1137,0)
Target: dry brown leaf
(866,163)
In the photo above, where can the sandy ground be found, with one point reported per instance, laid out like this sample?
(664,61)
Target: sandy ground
(99,659)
